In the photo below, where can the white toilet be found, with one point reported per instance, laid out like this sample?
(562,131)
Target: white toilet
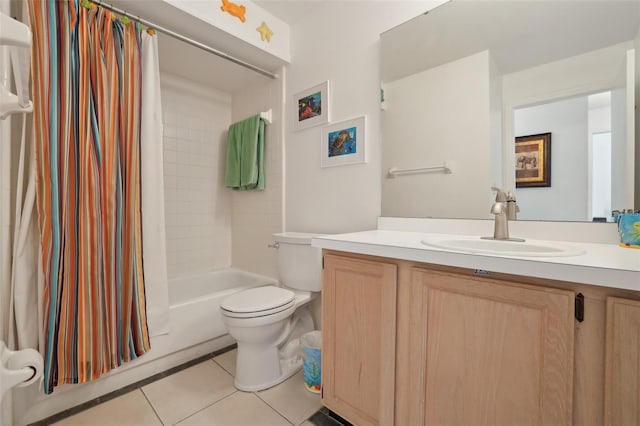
(267,321)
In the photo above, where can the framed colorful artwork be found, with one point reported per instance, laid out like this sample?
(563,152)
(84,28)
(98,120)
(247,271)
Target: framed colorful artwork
(343,143)
(533,161)
(312,107)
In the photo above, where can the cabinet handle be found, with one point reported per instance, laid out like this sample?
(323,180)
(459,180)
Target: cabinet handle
(579,307)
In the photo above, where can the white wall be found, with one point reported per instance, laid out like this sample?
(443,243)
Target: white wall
(619,176)
(198,207)
(599,70)
(496,163)
(566,199)
(592,72)
(258,214)
(599,122)
(637,123)
(338,42)
(452,104)
(595,71)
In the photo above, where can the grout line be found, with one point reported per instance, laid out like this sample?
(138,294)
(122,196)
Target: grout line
(152,407)
(256,393)
(204,408)
(223,369)
(128,388)
(222,366)
(209,405)
(276,411)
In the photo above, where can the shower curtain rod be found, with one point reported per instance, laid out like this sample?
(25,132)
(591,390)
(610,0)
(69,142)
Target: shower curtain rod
(185,39)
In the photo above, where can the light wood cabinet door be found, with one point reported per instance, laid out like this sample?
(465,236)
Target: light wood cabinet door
(488,352)
(622,362)
(358,339)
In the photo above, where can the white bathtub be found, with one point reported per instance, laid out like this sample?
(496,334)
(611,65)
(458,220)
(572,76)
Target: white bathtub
(195,303)
(196,329)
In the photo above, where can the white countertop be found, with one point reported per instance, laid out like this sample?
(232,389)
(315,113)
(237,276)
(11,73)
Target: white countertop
(606,265)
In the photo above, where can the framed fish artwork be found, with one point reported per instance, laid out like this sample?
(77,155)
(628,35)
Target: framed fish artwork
(343,143)
(312,107)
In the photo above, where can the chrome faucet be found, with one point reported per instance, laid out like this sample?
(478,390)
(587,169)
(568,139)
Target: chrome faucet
(501,211)
(499,208)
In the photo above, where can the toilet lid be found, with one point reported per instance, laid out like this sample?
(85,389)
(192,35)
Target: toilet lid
(258,300)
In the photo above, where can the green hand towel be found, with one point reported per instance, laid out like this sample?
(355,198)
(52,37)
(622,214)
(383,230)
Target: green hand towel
(245,155)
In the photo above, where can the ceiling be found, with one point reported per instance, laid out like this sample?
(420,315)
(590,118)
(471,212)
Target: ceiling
(190,63)
(551,30)
(290,11)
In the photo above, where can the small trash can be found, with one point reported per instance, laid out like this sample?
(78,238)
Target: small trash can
(312,355)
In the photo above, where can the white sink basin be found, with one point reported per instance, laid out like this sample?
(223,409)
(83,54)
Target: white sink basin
(529,248)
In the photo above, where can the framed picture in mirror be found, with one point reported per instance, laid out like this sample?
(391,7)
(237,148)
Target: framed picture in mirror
(533,161)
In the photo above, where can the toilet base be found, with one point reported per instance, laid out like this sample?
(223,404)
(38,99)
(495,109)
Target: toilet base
(287,369)
(260,367)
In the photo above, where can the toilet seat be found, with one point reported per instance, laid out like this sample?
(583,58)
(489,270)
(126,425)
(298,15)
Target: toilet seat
(263,313)
(258,302)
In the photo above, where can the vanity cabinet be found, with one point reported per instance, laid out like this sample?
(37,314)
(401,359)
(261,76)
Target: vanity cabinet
(481,351)
(622,358)
(409,343)
(358,339)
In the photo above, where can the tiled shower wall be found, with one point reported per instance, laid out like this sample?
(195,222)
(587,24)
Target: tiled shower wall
(198,212)
(256,215)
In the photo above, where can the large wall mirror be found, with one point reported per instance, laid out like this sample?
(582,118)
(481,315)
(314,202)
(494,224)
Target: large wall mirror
(467,80)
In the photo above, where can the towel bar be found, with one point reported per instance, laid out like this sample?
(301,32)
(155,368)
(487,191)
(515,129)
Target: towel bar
(446,169)
(267,116)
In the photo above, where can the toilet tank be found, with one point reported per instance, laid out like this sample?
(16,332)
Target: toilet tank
(299,264)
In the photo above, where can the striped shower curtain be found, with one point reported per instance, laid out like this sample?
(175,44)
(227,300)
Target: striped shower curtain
(86,90)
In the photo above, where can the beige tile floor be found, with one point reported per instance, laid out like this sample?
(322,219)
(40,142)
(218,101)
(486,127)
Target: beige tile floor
(204,395)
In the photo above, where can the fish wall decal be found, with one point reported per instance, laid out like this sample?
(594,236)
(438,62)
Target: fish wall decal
(233,9)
